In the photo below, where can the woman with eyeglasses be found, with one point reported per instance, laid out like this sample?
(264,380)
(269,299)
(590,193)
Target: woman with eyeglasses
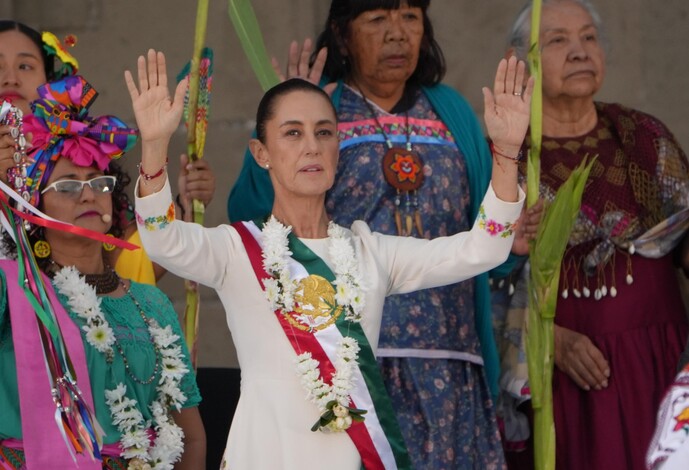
(29,59)
(126,346)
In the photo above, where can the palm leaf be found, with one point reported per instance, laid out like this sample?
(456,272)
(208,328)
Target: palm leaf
(545,257)
(247,28)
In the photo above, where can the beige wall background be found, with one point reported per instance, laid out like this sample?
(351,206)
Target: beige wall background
(647,70)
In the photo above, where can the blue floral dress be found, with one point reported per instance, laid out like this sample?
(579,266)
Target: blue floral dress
(429,350)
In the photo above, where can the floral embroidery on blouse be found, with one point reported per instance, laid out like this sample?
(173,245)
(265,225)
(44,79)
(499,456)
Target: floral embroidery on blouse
(493,227)
(672,427)
(682,420)
(157,222)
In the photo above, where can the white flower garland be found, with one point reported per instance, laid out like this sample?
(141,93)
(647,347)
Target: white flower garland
(332,400)
(135,443)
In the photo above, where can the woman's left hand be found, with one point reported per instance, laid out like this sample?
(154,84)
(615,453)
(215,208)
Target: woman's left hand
(156,114)
(195,181)
(507,107)
(6,152)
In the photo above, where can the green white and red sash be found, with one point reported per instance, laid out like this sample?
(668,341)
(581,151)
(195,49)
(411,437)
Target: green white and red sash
(378,438)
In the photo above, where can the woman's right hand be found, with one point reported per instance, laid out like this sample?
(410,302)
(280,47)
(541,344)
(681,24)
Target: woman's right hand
(157,116)
(580,359)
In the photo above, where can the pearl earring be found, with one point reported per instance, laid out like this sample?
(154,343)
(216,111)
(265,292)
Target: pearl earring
(267,166)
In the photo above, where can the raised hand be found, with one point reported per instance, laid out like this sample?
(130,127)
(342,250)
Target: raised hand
(298,63)
(507,107)
(157,116)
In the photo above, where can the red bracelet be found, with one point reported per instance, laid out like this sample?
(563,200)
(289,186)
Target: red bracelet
(148,177)
(494,150)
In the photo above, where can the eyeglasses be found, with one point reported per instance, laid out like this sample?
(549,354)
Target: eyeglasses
(100,184)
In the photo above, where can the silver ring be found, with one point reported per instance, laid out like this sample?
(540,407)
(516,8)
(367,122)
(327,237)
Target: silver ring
(517,93)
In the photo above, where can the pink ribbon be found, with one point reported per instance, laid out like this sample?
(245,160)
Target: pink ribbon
(42,440)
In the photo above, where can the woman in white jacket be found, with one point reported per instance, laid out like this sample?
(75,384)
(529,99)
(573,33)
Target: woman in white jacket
(304,296)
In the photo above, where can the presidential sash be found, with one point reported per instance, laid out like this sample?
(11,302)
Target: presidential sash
(318,329)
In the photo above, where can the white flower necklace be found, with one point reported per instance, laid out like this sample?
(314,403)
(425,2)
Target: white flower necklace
(135,443)
(333,401)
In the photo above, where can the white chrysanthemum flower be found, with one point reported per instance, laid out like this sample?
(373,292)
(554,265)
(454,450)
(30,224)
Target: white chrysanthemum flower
(164,337)
(115,394)
(343,293)
(312,375)
(287,300)
(357,304)
(349,346)
(138,441)
(174,367)
(169,442)
(304,359)
(100,337)
(272,292)
(174,396)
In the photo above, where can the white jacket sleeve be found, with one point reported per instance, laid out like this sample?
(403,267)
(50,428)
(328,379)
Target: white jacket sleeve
(416,264)
(185,249)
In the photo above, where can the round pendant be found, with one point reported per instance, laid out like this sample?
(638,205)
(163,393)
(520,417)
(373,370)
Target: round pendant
(403,169)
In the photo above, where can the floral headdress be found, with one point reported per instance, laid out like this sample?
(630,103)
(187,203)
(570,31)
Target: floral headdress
(61,127)
(53,47)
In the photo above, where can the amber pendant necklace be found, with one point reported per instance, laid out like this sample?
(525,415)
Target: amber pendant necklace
(403,170)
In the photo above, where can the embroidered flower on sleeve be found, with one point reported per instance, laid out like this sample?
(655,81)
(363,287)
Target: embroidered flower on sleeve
(157,222)
(493,227)
(682,420)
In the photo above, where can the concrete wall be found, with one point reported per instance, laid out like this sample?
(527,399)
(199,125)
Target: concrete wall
(646,70)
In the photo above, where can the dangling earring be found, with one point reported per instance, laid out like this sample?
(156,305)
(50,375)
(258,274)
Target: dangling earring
(109,246)
(41,249)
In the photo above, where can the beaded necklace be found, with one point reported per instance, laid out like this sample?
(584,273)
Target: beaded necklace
(155,346)
(403,170)
(126,415)
(104,283)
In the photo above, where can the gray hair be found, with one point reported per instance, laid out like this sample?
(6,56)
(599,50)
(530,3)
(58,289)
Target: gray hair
(521,29)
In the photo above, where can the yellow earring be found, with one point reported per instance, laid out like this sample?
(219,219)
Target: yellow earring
(41,249)
(109,246)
